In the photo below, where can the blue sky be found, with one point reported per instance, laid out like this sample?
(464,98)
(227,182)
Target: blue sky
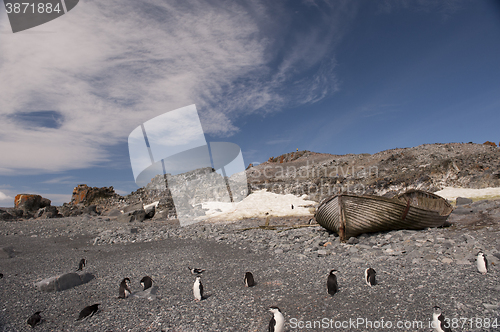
(271,76)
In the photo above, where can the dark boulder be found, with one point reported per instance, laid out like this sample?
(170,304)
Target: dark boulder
(90,210)
(30,203)
(85,195)
(137,215)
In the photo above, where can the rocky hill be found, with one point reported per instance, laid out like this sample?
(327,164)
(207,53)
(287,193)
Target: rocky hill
(428,167)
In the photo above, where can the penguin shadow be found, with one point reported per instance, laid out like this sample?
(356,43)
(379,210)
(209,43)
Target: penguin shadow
(150,293)
(206,296)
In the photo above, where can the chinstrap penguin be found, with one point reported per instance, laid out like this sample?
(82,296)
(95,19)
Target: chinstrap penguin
(198,289)
(438,321)
(331,283)
(146,282)
(277,322)
(370,277)
(196,271)
(81,265)
(88,311)
(124,289)
(249,282)
(482,263)
(34,319)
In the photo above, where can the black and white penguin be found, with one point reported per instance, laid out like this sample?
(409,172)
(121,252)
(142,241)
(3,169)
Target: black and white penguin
(88,311)
(35,319)
(124,291)
(198,289)
(438,322)
(81,265)
(249,282)
(196,271)
(482,263)
(370,277)
(1,275)
(292,206)
(146,282)
(331,283)
(277,322)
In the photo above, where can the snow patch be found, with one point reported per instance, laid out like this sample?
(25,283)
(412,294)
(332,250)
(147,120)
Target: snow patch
(260,204)
(452,193)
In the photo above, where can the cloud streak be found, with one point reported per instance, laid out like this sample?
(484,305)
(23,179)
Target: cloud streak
(106,67)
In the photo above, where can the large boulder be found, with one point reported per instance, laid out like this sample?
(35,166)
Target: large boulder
(30,203)
(47,212)
(64,281)
(137,215)
(4,215)
(85,195)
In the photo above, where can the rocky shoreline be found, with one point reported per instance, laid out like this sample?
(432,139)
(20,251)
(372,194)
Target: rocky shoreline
(415,270)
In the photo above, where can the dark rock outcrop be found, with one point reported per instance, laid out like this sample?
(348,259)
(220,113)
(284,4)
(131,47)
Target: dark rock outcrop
(30,203)
(85,195)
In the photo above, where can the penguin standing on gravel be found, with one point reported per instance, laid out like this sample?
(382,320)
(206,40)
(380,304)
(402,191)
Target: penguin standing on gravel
(331,283)
(249,282)
(34,319)
(482,263)
(198,289)
(370,277)
(81,265)
(277,322)
(146,282)
(124,291)
(438,322)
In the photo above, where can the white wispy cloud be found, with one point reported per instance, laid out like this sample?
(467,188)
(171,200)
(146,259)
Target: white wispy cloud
(60,180)
(6,200)
(105,67)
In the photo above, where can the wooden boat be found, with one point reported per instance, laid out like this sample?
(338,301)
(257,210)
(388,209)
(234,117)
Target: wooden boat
(351,215)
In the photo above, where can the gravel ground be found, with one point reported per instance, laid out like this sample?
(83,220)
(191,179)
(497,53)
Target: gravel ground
(416,270)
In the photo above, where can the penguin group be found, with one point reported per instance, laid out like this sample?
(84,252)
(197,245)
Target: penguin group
(277,321)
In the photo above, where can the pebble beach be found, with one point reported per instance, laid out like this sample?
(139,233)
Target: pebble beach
(416,270)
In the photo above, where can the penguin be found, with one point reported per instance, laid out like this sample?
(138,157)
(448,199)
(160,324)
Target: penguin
(124,289)
(482,263)
(249,282)
(1,275)
(88,311)
(81,264)
(331,283)
(198,289)
(196,271)
(370,277)
(277,322)
(146,282)
(438,322)
(34,319)
(292,206)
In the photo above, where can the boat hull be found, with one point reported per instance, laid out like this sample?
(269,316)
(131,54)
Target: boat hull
(352,215)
